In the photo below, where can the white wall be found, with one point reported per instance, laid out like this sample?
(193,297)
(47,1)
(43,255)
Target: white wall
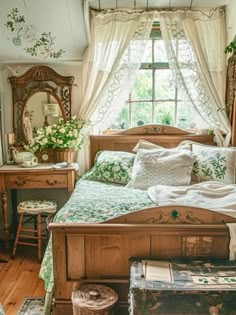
(231,21)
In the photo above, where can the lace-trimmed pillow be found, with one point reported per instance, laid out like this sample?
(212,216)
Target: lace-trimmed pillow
(111,167)
(213,162)
(161,167)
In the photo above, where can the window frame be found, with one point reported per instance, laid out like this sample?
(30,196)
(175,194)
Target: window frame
(155,66)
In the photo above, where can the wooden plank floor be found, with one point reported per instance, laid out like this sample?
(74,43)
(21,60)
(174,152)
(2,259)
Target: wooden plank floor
(19,279)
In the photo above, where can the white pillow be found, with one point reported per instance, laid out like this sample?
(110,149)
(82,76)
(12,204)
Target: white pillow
(143,144)
(213,162)
(161,166)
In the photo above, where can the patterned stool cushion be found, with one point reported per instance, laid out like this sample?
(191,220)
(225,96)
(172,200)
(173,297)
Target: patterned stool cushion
(37,206)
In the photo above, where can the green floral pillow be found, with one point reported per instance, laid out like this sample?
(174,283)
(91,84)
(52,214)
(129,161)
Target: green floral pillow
(111,167)
(213,162)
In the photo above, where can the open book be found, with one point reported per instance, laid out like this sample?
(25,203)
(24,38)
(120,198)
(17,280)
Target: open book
(157,271)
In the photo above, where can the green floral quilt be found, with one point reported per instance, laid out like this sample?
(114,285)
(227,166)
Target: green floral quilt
(94,202)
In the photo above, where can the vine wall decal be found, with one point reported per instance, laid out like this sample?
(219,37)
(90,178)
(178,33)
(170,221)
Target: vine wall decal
(25,34)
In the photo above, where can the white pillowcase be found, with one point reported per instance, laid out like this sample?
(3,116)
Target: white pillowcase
(161,166)
(143,144)
(213,162)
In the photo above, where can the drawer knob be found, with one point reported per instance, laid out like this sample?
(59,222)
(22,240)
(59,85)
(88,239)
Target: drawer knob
(20,182)
(51,182)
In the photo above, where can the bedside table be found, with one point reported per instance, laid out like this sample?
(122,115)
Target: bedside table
(14,177)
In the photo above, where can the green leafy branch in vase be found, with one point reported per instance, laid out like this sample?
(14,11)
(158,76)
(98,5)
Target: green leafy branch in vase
(231,48)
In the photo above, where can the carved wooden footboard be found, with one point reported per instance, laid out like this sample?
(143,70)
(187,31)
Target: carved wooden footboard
(100,253)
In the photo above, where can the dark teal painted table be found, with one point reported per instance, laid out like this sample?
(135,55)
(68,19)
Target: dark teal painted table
(198,287)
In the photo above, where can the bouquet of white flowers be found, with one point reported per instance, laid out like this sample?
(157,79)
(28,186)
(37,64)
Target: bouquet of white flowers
(63,135)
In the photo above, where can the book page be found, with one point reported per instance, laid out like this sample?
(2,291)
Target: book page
(157,270)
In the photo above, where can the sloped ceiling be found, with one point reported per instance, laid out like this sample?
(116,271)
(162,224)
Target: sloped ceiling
(64,19)
(67,22)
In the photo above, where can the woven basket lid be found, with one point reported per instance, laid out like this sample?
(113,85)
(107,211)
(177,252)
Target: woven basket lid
(94,297)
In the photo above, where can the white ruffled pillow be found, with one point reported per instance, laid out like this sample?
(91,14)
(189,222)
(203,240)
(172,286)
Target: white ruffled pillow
(161,167)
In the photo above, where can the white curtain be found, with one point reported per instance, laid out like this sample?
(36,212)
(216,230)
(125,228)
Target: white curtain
(201,37)
(118,42)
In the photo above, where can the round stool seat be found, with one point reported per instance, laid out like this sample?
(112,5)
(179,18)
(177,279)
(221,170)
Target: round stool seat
(37,206)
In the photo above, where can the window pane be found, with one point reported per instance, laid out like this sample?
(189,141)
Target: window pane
(141,113)
(142,89)
(122,121)
(160,51)
(185,118)
(164,84)
(185,55)
(165,113)
(148,54)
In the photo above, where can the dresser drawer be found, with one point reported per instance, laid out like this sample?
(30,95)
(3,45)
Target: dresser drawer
(36,181)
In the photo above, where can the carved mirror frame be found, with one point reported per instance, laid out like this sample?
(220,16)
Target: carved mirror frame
(39,79)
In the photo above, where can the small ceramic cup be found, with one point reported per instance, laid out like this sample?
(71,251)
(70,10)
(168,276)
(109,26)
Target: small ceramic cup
(32,162)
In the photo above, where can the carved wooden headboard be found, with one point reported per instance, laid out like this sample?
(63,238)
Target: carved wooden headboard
(165,136)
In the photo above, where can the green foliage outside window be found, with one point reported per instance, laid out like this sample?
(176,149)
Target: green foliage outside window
(155,96)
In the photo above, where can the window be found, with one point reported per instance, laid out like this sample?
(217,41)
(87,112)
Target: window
(156,96)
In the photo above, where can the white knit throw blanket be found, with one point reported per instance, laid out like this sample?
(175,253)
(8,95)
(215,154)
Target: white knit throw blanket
(211,195)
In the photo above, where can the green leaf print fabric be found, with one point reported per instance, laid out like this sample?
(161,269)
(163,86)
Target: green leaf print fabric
(111,167)
(94,202)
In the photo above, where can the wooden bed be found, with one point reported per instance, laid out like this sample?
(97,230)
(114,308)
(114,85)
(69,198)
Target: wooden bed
(99,253)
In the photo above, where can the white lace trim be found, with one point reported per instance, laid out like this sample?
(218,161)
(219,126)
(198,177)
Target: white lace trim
(124,70)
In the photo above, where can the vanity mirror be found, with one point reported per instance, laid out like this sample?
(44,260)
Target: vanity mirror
(39,97)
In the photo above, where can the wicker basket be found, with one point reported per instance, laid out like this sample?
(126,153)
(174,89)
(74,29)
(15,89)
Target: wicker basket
(64,155)
(93,299)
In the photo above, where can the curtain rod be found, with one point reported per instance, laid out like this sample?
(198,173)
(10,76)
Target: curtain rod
(210,11)
(190,7)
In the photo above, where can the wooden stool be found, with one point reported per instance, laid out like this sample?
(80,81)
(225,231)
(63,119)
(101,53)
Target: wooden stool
(33,208)
(93,299)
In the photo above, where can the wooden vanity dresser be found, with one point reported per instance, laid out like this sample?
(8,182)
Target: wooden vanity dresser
(14,177)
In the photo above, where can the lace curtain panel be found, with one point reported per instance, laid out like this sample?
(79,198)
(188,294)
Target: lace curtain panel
(118,42)
(195,46)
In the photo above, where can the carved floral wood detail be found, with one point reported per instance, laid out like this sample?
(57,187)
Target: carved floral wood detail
(39,79)
(171,217)
(185,217)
